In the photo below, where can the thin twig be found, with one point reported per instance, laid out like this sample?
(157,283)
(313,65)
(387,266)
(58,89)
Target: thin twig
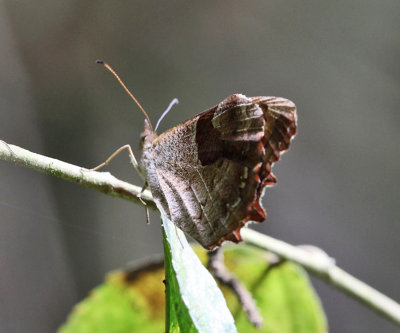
(317,264)
(325,268)
(101,181)
(226,278)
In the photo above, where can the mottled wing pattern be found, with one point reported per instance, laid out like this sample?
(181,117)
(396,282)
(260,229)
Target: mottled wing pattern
(208,174)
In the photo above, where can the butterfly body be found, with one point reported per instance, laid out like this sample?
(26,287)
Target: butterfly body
(208,173)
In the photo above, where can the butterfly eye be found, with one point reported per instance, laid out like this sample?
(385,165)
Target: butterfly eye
(143,137)
(141,144)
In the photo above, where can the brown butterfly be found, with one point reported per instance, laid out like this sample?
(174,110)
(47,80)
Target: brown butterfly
(208,173)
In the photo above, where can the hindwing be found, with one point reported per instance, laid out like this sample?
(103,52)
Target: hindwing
(208,174)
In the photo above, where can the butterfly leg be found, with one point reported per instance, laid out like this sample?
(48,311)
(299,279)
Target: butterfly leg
(131,156)
(147,214)
(177,235)
(139,196)
(144,203)
(136,165)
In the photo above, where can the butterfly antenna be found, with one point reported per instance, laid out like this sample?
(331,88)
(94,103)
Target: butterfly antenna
(126,89)
(173,102)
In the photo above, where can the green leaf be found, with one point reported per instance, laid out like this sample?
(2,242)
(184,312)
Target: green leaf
(194,301)
(283,294)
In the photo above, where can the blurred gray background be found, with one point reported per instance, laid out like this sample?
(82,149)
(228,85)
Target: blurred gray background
(338,187)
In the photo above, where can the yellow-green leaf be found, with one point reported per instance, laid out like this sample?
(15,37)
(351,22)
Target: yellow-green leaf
(124,303)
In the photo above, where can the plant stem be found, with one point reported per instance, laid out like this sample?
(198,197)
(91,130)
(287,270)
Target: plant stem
(315,262)
(220,272)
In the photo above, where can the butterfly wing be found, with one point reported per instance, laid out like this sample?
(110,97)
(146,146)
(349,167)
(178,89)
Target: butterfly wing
(208,174)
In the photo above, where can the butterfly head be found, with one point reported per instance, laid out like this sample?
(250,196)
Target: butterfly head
(148,135)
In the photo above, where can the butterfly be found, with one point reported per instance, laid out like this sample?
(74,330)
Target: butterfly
(209,173)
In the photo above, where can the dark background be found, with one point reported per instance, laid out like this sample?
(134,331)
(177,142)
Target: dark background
(338,187)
